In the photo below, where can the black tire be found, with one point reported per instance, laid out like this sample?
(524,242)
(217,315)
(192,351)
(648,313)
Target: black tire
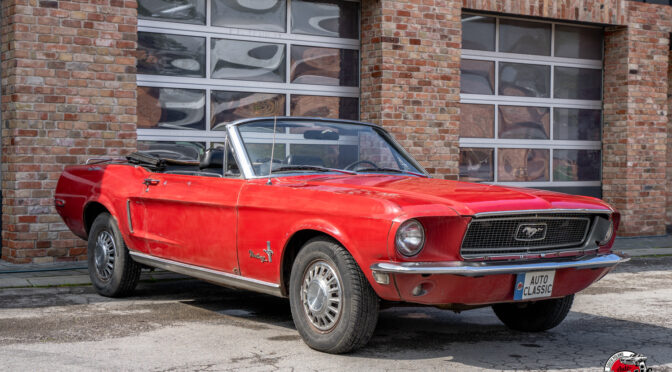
(534,316)
(113,272)
(357,310)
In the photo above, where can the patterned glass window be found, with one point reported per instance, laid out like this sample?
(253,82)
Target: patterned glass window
(531,103)
(205,63)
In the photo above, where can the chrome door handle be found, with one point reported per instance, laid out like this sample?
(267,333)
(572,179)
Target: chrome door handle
(150,182)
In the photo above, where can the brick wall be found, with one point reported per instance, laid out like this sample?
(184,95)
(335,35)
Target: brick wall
(68,93)
(410,77)
(668,220)
(635,118)
(595,11)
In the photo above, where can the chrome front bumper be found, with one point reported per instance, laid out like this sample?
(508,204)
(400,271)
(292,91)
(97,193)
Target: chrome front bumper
(463,268)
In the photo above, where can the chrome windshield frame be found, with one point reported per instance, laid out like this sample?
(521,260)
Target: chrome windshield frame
(245,165)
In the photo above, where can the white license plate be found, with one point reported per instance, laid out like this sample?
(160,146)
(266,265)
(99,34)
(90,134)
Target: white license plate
(536,284)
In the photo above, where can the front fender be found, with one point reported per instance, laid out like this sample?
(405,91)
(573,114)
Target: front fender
(365,246)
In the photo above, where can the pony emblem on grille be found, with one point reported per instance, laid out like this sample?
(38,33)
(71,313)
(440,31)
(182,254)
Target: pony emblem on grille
(527,232)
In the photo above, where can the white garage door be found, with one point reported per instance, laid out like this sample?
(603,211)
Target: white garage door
(531,99)
(204,63)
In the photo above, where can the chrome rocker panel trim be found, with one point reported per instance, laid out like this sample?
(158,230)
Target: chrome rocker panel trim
(471,269)
(209,275)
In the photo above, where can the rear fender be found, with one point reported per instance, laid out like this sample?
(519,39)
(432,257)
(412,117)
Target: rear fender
(104,201)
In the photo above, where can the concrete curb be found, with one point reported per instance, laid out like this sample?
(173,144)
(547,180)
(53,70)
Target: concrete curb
(73,277)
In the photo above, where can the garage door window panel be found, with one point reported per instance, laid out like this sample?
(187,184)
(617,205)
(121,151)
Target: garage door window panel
(578,42)
(577,124)
(326,18)
(577,165)
(325,107)
(184,11)
(324,66)
(171,55)
(476,164)
(477,77)
(171,108)
(519,79)
(524,122)
(523,165)
(267,15)
(478,32)
(230,106)
(477,121)
(523,37)
(577,83)
(247,60)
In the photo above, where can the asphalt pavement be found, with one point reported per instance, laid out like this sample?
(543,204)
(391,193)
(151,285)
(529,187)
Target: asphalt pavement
(191,325)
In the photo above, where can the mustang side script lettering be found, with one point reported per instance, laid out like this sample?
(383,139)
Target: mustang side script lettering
(354,221)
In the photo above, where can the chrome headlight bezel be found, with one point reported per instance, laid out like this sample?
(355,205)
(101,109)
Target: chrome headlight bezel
(410,238)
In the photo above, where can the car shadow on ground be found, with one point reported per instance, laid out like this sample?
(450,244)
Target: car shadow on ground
(475,338)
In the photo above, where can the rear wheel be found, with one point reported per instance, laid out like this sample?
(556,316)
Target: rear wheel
(112,270)
(534,316)
(333,306)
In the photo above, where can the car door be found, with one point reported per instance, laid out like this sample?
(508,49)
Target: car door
(191,219)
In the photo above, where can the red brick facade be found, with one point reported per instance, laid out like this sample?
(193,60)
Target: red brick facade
(635,118)
(410,77)
(68,93)
(668,220)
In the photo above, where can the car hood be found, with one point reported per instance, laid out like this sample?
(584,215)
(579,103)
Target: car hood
(463,197)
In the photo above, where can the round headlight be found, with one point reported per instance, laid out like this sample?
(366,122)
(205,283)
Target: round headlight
(608,234)
(410,238)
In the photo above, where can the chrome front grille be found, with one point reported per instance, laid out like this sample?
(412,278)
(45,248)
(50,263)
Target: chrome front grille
(525,234)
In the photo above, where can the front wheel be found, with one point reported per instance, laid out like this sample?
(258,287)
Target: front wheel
(333,306)
(534,316)
(112,270)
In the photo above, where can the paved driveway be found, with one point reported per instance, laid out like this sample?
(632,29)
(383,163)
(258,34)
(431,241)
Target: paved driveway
(192,325)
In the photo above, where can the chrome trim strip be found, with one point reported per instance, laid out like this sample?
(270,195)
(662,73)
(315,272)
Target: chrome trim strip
(472,269)
(214,276)
(541,211)
(128,215)
(239,152)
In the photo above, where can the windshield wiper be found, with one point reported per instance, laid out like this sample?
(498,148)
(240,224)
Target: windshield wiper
(393,170)
(310,168)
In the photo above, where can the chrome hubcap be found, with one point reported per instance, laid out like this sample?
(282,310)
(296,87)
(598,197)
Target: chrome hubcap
(104,255)
(321,295)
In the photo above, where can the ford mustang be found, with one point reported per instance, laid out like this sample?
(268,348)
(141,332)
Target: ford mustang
(337,217)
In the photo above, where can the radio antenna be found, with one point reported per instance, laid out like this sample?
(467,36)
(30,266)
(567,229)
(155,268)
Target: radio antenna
(270,164)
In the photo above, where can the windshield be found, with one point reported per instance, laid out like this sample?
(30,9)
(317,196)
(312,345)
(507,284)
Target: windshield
(322,146)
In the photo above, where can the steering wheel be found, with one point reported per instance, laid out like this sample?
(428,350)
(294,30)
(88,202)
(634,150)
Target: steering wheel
(353,165)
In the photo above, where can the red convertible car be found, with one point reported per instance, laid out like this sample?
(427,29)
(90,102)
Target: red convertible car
(338,217)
